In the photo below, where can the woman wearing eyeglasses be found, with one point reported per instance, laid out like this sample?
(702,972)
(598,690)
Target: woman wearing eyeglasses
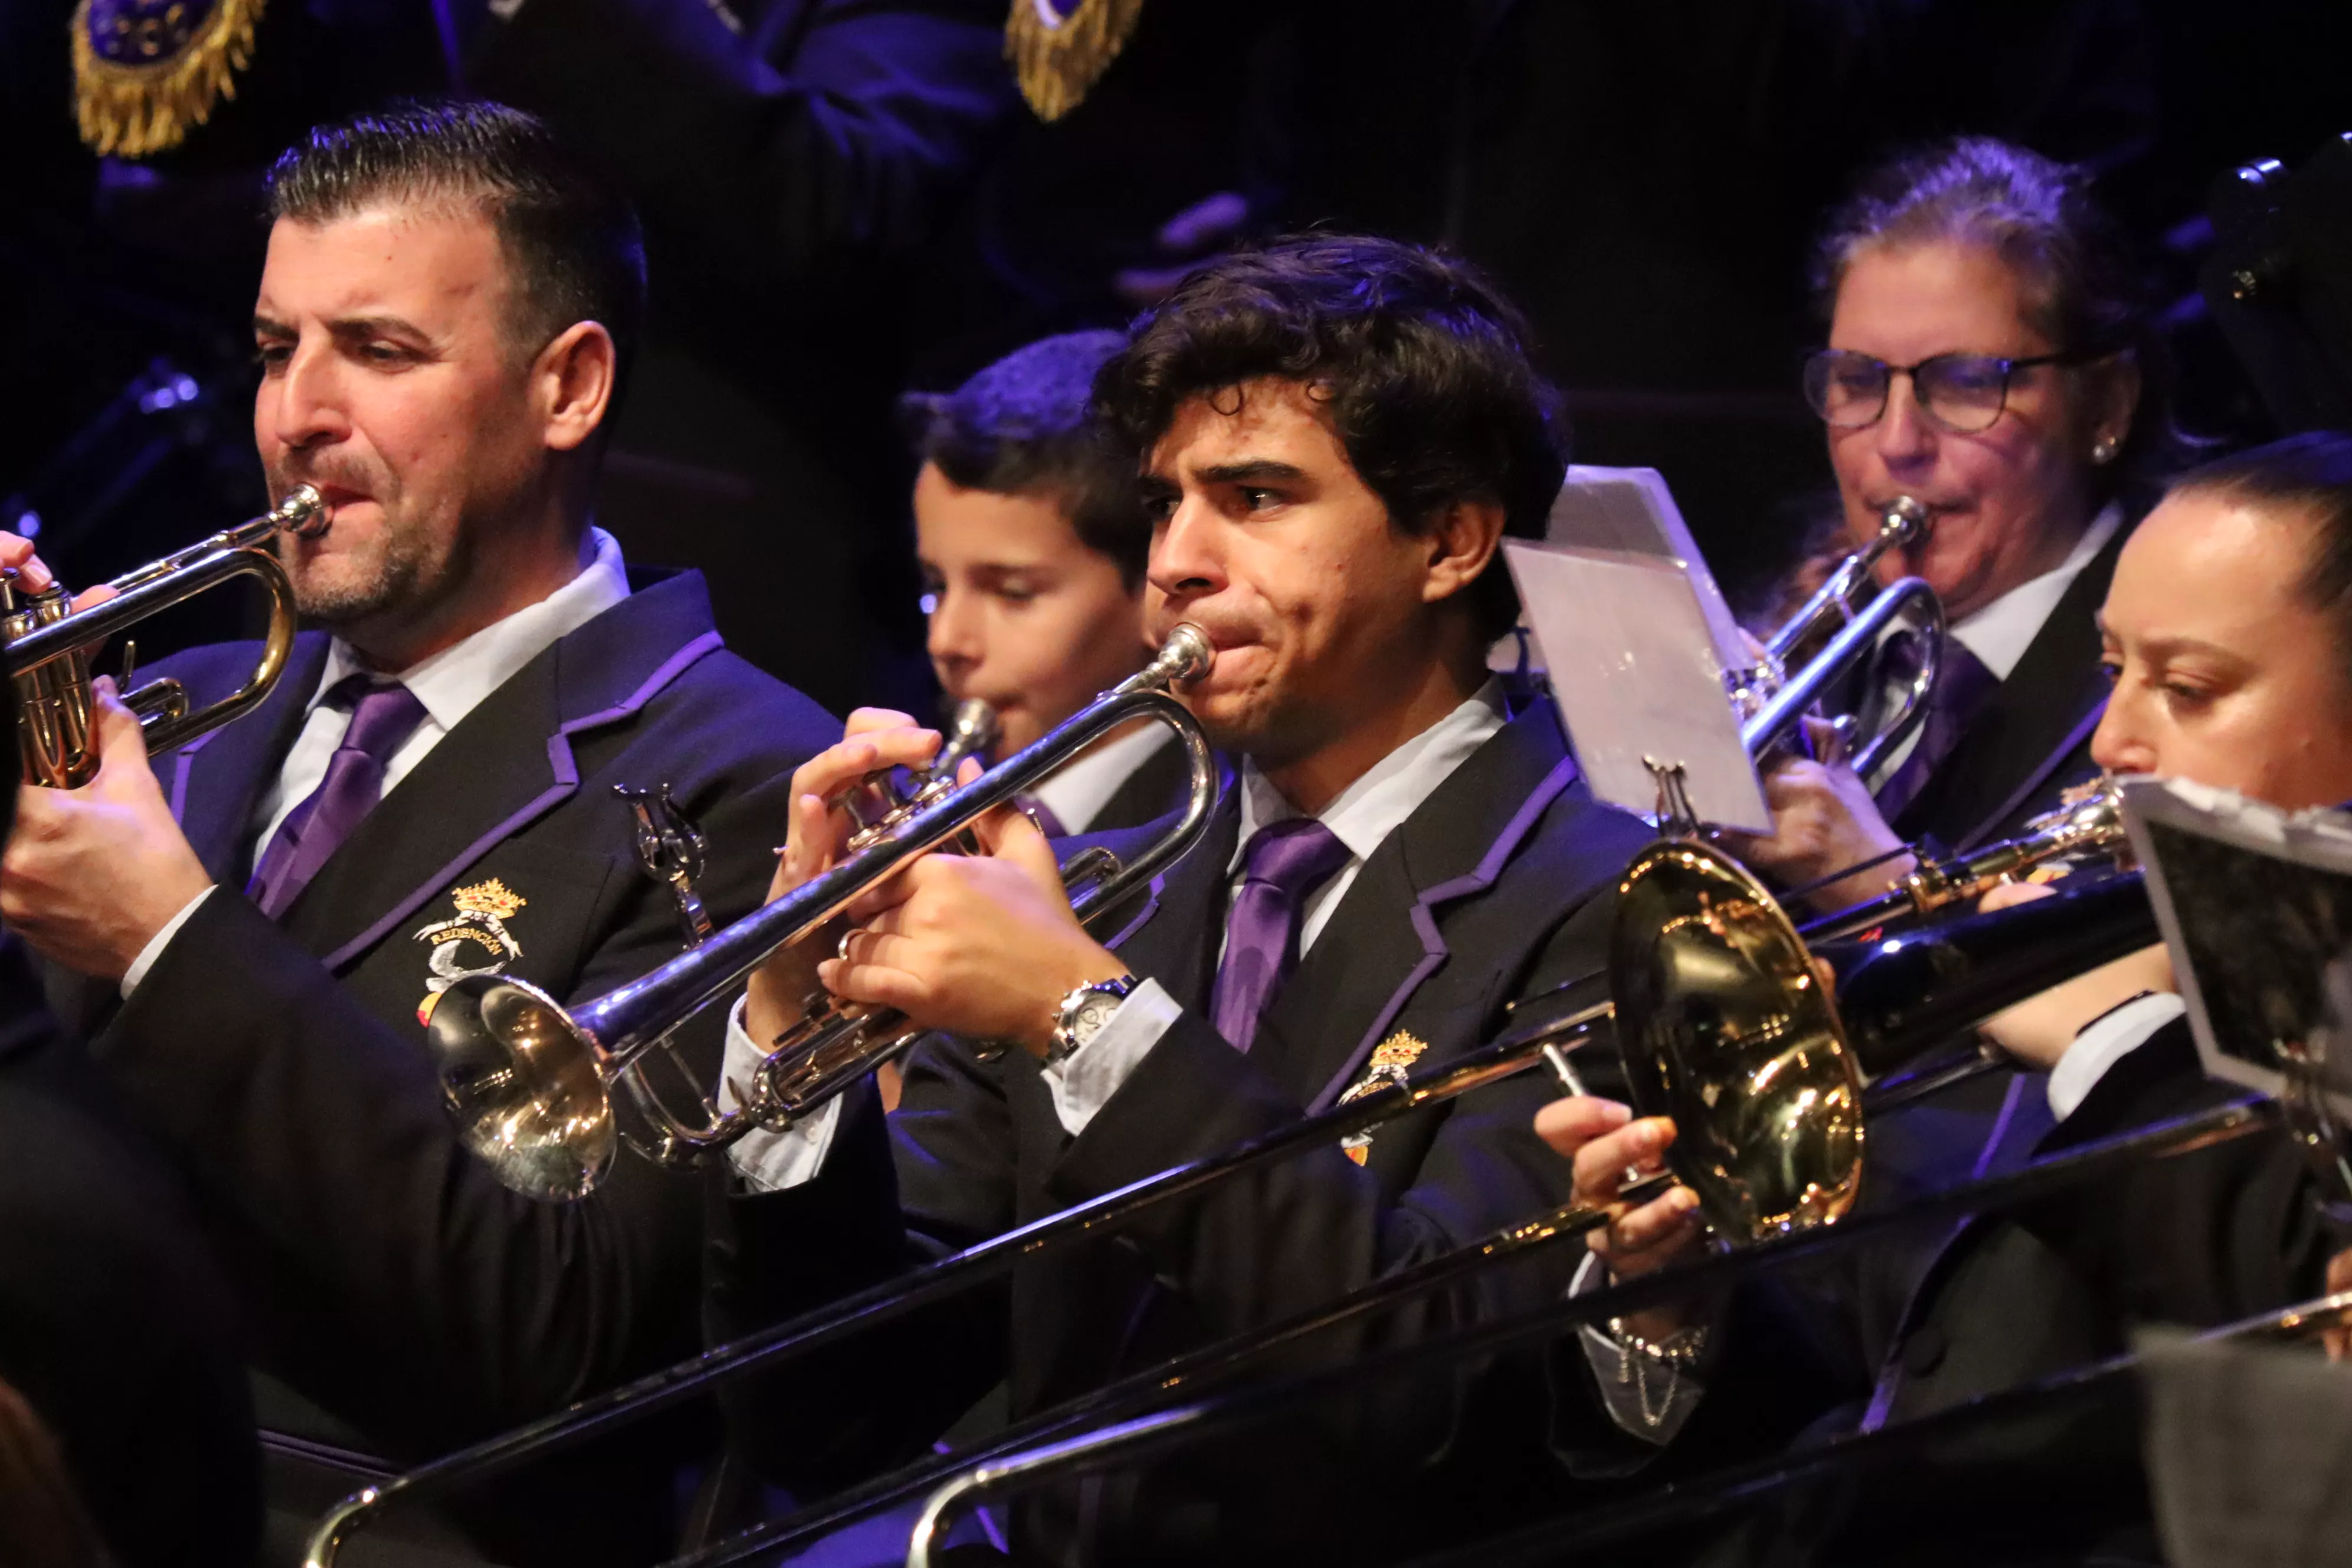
(1987,355)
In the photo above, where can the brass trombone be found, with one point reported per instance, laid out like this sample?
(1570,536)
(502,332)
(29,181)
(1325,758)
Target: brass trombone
(531,1083)
(2079,831)
(1678,1504)
(48,644)
(1727,1021)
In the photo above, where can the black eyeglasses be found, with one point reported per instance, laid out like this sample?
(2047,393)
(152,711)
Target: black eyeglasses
(1960,393)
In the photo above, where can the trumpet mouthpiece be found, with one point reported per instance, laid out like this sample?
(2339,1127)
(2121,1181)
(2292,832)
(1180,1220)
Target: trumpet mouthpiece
(973,729)
(303,513)
(1186,654)
(1905,522)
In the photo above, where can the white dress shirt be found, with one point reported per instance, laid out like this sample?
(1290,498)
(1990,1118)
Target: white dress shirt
(1361,817)
(1999,633)
(450,685)
(2103,1042)
(1077,791)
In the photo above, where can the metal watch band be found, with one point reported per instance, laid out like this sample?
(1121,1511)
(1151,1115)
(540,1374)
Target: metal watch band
(1070,1031)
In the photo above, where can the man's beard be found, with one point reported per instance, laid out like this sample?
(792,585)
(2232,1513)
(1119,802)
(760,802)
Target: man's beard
(1272,730)
(402,576)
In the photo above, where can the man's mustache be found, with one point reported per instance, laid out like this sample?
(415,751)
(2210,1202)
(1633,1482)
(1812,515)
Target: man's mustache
(325,473)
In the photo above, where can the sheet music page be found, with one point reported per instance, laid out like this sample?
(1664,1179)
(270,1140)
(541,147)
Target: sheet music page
(1632,511)
(1636,674)
(2255,904)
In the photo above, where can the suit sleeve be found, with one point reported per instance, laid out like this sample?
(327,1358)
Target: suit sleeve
(2202,1237)
(1307,1230)
(406,1289)
(835,153)
(893,1195)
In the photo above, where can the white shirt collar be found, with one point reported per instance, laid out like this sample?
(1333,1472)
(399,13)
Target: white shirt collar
(453,681)
(1078,791)
(1376,805)
(1999,633)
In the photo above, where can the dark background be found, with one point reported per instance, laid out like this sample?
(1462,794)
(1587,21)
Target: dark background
(1643,175)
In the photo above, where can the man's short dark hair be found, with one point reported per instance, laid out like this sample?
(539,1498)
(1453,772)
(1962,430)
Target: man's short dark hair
(1422,365)
(571,242)
(2308,475)
(1025,426)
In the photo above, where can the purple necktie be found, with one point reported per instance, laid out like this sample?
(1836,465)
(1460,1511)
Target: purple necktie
(384,714)
(1284,863)
(1963,685)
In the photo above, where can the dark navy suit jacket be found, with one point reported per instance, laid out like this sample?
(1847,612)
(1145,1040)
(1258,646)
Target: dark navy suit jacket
(2010,1299)
(393,1283)
(1495,889)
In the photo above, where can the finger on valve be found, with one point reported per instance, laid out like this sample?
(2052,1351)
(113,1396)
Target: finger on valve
(2338,1339)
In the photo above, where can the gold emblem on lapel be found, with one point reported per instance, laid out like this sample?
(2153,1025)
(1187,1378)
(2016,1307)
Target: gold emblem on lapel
(1390,1059)
(483,911)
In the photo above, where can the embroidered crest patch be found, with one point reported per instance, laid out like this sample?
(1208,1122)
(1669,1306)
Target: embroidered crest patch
(1390,1059)
(146,73)
(483,911)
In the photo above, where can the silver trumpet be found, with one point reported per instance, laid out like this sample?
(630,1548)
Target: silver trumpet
(1773,702)
(531,1083)
(50,642)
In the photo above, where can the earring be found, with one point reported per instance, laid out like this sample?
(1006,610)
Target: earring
(2103,450)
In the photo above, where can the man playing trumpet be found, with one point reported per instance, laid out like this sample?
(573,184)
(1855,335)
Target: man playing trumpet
(1336,434)
(445,322)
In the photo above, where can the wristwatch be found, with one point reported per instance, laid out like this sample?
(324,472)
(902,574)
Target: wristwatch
(1083,1014)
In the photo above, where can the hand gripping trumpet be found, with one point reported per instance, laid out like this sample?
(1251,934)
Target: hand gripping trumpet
(530,1084)
(50,642)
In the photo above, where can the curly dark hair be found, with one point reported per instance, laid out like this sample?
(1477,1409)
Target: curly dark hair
(1025,426)
(1421,364)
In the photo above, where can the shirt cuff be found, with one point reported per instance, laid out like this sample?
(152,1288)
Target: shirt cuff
(1083,1082)
(157,943)
(770,1161)
(2105,1041)
(1646,1397)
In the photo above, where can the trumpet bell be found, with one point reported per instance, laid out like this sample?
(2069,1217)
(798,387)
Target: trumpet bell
(1726,1025)
(525,1088)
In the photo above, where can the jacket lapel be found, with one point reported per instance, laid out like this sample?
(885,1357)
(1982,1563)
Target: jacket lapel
(2029,728)
(1383,944)
(507,763)
(214,780)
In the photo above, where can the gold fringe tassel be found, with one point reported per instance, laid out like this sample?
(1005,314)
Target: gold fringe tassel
(1057,63)
(131,111)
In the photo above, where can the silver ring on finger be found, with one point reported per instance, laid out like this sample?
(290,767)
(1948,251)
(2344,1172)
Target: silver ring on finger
(841,950)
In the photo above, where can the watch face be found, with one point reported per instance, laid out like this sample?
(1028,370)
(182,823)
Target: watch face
(1093,1013)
